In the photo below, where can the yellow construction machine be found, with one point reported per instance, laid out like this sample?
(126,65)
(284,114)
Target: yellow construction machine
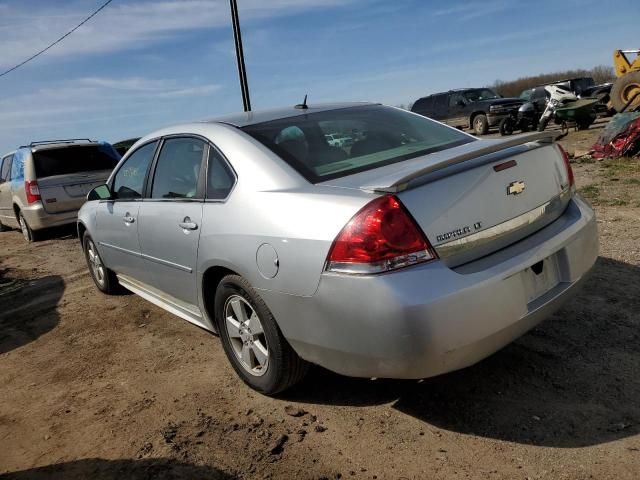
(625,93)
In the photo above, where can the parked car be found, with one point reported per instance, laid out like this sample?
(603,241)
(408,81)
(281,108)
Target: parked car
(421,251)
(45,183)
(333,139)
(475,108)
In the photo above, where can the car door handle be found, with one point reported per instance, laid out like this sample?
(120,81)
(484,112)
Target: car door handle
(128,219)
(187,224)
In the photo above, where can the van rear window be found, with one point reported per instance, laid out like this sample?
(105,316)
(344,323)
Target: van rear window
(75,159)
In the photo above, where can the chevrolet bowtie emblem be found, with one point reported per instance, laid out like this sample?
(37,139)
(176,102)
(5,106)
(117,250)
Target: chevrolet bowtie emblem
(515,188)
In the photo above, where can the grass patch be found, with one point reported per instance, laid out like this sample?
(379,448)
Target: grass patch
(617,202)
(590,192)
(632,181)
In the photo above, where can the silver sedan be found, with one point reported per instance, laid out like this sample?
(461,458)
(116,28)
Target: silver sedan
(412,251)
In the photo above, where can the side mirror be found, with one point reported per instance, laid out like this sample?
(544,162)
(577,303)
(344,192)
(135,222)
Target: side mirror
(101,192)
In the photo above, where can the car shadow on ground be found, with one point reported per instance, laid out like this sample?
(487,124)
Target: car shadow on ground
(570,382)
(100,469)
(27,308)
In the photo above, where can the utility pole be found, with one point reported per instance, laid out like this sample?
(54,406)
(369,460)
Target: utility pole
(242,71)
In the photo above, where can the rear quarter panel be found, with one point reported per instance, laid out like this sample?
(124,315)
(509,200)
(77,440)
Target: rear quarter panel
(271,204)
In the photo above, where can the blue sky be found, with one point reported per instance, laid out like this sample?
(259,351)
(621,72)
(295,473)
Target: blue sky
(143,64)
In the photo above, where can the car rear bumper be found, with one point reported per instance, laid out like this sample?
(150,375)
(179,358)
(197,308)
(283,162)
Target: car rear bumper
(429,319)
(37,218)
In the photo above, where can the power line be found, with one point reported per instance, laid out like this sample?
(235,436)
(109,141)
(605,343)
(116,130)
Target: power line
(58,40)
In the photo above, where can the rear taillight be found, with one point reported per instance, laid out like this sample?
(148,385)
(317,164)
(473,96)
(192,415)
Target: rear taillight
(380,237)
(32,190)
(565,157)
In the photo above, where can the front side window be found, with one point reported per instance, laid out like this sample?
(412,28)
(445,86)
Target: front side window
(6,166)
(479,94)
(379,136)
(178,168)
(456,99)
(129,181)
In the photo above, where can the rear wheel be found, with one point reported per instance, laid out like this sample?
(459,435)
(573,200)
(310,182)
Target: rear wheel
(252,341)
(27,233)
(105,279)
(480,124)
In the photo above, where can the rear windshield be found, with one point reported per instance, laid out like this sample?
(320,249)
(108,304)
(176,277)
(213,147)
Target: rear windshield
(376,136)
(67,160)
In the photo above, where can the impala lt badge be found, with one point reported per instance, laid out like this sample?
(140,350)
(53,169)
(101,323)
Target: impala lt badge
(515,188)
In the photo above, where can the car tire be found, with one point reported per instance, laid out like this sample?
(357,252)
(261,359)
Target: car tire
(624,89)
(252,340)
(104,279)
(480,124)
(506,126)
(26,230)
(542,124)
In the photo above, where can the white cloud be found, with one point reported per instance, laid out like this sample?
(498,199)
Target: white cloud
(71,101)
(125,26)
(470,10)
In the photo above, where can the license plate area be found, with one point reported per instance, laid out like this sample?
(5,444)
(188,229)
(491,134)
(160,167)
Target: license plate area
(540,278)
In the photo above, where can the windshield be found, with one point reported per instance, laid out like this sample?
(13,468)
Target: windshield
(527,94)
(478,94)
(75,159)
(377,136)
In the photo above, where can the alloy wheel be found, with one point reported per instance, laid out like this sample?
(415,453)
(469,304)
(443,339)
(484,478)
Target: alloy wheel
(24,228)
(95,264)
(246,335)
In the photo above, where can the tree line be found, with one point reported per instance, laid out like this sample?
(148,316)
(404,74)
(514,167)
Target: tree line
(513,88)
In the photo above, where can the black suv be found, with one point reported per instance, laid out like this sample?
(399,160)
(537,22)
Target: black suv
(477,108)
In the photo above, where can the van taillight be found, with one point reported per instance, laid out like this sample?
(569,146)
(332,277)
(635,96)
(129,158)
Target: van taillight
(32,191)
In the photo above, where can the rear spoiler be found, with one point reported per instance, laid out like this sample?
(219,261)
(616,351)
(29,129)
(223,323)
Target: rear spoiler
(397,183)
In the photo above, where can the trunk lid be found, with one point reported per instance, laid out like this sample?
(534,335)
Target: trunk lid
(63,193)
(478,198)
(66,174)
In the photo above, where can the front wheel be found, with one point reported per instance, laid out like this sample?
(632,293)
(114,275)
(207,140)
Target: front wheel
(252,341)
(480,124)
(105,279)
(506,126)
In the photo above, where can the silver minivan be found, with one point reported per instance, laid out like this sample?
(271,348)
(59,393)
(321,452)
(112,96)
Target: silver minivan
(44,184)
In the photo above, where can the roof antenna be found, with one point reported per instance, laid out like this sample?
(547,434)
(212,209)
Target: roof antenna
(303,105)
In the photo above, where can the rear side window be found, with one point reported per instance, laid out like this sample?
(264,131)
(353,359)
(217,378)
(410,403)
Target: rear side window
(423,105)
(17,168)
(129,181)
(440,103)
(220,177)
(385,135)
(6,166)
(76,159)
(178,168)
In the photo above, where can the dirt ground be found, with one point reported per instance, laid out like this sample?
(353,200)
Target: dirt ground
(101,387)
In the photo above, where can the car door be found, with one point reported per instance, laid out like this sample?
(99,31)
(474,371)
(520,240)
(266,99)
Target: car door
(6,208)
(440,107)
(457,110)
(117,218)
(171,218)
